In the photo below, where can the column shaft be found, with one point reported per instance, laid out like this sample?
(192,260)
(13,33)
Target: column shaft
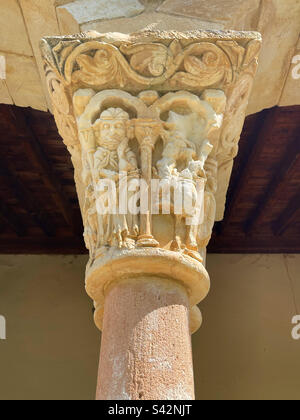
(146,344)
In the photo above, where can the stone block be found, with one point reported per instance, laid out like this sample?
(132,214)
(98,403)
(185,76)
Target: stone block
(13,35)
(41,20)
(24,82)
(279,25)
(236,14)
(61,2)
(5,97)
(150,21)
(79,12)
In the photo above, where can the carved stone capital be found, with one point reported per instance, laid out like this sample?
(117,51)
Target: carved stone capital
(149,119)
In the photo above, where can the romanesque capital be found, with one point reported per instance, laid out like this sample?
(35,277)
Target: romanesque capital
(152,122)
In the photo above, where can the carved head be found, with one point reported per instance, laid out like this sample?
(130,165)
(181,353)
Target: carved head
(173,135)
(111,128)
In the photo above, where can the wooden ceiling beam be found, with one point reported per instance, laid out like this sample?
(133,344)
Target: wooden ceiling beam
(256,143)
(282,173)
(23,195)
(43,245)
(37,157)
(288,217)
(264,243)
(233,240)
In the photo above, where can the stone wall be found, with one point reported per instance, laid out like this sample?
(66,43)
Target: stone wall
(24,22)
(244,349)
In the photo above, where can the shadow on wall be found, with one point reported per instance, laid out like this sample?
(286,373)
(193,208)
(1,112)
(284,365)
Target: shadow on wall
(244,350)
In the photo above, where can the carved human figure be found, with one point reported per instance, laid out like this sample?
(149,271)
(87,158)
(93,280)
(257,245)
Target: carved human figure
(112,160)
(193,180)
(177,148)
(113,154)
(183,164)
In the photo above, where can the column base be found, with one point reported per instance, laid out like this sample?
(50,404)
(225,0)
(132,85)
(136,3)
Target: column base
(119,264)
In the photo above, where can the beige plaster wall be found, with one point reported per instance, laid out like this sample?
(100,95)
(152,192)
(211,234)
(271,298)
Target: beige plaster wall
(244,349)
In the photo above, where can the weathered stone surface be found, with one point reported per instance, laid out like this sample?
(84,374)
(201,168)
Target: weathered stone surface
(182,86)
(152,121)
(151,5)
(13,35)
(147,21)
(5,97)
(83,11)
(128,369)
(61,2)
(151,71)
(41,20)
(24,82)
(279,25)
(291,91)
(238,14)
(185,136)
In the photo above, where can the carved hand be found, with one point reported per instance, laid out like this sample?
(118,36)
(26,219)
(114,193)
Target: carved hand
(106,173)
(122,147)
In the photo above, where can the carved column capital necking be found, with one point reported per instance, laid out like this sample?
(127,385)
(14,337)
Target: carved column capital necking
(146,117)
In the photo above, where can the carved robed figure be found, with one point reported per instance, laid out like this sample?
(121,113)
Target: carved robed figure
(111,159)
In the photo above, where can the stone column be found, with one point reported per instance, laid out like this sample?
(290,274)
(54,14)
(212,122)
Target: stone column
(146,353)
(152,122)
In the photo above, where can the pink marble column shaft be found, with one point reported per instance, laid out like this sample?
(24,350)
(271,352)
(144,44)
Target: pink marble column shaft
(146,344)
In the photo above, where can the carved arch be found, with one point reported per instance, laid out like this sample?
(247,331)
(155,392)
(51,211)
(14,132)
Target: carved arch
(111,98)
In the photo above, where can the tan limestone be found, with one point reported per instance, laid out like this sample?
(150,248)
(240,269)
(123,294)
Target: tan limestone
(291,92)
(5,97)
(24,82)
(149,21)
(80,12)
(41,20)
(61,2)
(279,26)
(238,14)
(146,21)
(164,75)
(13,33)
